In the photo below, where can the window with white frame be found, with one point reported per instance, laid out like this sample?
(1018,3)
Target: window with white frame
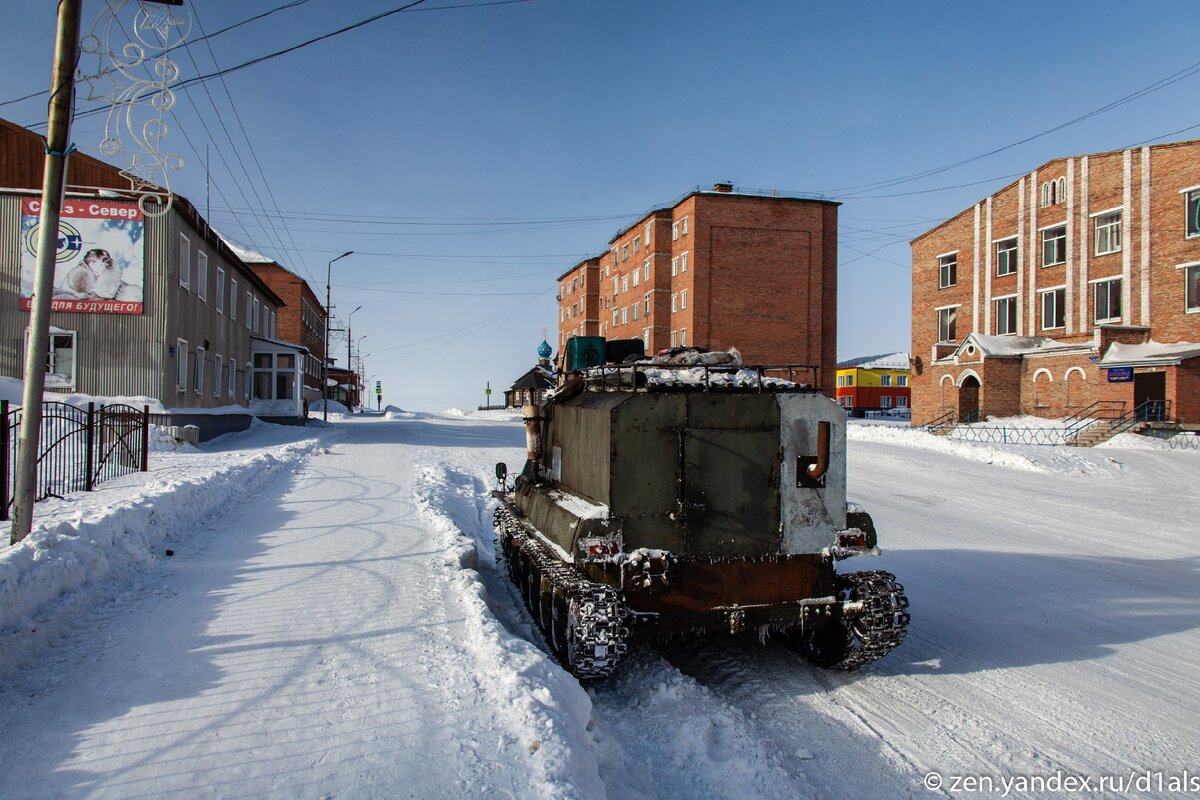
(683,226)
(902,380)
(274,376)
(616,285)
(683,335)
(624,283)
(946,322)
(1006,256)
(645,338)
(202,276)
(185,262)
(1107,232)
(885,401)
(675,265)
(219,294)
(625,315)
(901,402)
(198,371)
(249,310)
(1192,287)
(1107,305)
(1054,308)
(674,338)
(271,330)
(1006,315)
(885,380)
(233,299)
(637,277)
(683,261)
(60,360)
(181,365)
(646,234)
(947,270)
(674,236)
(1054,245)
(637,307)
(231,383)
(637,244)
(646,304)
(674,303)
(218,375)
(614,322)
(625,252)
(257,318)
(646,270)
(1046,194)
(683,299)
(1192,209)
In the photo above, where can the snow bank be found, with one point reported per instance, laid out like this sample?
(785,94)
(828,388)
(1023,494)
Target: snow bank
(334,407)
(13,390)
(88,546)
(541,703)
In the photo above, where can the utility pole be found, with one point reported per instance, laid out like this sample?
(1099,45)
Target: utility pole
(349,363)
(58,148)
(325,348)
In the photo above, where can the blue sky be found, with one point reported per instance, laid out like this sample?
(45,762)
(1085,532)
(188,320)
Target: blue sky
(469,156)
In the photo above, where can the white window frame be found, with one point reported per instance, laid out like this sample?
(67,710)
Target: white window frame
(946,281)
(646,269)
(885,380)
(683,336)
(1191,212)
(1189,270)
(202,276)
(1109,295)
(1043,296)
(646,304)
(218,374)
(198,371)
(674,338)
(52,358)
(1009,300)
(257,319)
(1106,232)
(615,312)
(1010,255)
(675,266)
(901,402)
(683,231)
(885,401)
(185,262)
(953,323)
(683,299)
(231,387)
(637,277)
(901,381)
(646,235)
(182,372)
(637,244)
(674,237)
(249,319)
(625,315)
(1059,243)
(233,299)
(625,252)
(683,259)
(624,283)
(219,294)
(636,308)
(674,303)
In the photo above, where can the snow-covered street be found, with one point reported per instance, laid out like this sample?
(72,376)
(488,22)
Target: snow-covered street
(332,624)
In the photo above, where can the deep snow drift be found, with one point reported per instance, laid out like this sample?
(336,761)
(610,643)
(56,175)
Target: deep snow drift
(333,624)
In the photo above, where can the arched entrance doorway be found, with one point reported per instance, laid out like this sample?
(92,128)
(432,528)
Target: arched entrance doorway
(968,397)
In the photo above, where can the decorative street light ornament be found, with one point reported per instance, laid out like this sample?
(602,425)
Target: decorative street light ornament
(134,73)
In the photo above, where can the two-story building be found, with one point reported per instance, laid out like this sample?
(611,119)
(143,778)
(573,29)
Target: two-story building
(1076,283)
(874,383)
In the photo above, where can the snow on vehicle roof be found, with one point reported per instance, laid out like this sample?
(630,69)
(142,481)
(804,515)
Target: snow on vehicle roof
(690,368)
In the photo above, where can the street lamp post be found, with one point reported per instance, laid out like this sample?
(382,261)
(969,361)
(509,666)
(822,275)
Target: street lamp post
(357,372)
(349,364)
(325,353)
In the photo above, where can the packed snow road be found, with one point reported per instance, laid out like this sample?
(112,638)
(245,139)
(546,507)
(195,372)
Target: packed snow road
(338,628)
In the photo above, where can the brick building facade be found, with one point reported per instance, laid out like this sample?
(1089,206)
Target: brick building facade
(301,319)
(717,269)
(1076,283)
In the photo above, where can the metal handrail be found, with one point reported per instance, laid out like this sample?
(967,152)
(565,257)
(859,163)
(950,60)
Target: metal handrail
(1088,416)
(943,420)
(1146,411)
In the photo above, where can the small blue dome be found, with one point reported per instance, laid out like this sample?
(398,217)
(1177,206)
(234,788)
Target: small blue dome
(544,349)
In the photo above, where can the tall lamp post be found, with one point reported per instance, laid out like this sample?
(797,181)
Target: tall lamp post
(349,364)
(358,372)
(325,354)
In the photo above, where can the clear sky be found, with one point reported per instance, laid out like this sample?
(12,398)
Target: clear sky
(470,155)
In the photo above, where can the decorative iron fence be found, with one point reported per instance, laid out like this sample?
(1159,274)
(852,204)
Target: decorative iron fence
(1176,440)
(77,448)
(1001,434)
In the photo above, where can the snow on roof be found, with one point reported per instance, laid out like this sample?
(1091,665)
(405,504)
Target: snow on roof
(1012,345)
(882,361)
(1150,353)
(246,254)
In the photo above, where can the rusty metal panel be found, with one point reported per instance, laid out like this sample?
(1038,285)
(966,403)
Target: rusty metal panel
(644,457)
(581,432)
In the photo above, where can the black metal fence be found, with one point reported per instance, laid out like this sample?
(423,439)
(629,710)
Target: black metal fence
(78,447)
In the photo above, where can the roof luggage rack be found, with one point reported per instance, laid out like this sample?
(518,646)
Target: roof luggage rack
(650,377)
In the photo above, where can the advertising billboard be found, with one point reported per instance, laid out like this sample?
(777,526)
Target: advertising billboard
(100,260)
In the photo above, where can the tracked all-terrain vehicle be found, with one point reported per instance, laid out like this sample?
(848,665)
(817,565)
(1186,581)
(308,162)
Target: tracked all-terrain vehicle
(663,499)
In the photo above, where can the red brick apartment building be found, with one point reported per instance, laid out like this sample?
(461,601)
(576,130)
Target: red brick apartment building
(717,269)
(1076,283)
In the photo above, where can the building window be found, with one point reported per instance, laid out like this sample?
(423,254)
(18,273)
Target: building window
(625,315)
(198,372)
(674,303)
(946,318)
(637,276)
(683,227)
(614,322)
(185,262)
(674,236)
(646,234)
(249,312)
(1054,245)
(271,329)
(624,283)
(1006,257)
(274,376)
(202,276)
(219,295)
(218,373)
(646,304)
(683,299)
(636,308)
(947,270)
(233,299)
(1108,233)
(1192,228)
(675,266)
(637,244)
(257,319)
(1006,315)
(885,401)
(1054,192)
(231,384)
(683,261)
(60,360)
(850,379)
(902,380)
(181,364)
(1108,301)
(646,269)
(885,380)
(1192,291)
(625,252)
(683,332)
(674,338)
(1054,308)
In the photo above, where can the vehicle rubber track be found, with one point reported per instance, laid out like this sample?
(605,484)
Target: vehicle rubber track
(881,625)
(583,621)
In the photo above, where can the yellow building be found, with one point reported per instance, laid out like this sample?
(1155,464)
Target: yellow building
(874,383)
